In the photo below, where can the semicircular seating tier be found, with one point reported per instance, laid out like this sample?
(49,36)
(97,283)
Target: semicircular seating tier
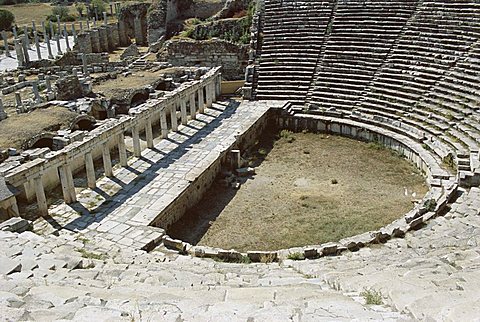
(410,66)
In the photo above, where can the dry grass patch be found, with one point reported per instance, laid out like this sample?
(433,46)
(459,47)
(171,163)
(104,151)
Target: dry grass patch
(26,12)
(310,189)
(20,127)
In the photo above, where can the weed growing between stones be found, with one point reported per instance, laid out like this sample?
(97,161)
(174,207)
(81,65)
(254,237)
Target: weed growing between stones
(86,254)
(296,256)
(372,297)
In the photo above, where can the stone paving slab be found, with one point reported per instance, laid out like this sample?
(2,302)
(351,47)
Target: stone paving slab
(121,209)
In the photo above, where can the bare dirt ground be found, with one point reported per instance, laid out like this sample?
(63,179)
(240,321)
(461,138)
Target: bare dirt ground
(313,190)
(20,127)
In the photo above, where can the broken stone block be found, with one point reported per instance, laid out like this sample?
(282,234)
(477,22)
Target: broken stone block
(243,172)
(9,266)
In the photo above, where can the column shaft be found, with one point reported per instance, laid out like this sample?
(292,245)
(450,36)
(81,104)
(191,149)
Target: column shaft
(193,106)
(183,110)
(90,169)
(163,124)
(149,133)
(122,150)
(137,150)
(41,199)
(173,117)
(107,161)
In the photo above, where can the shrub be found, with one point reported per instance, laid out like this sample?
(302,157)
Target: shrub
(296,256)
(101,7)
(334,181)
(63,12)
(80,7)
(6,19)
(430,204)
(372,297)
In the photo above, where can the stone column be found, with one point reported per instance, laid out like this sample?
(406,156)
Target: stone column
(95,38)
(65,32)
(44,30)
(137,149)
(5,42)
(37,45)
(81,25)
(14,29)
(107,161)
(208,91)
(19,51)
(137,24)
(149,133)
(66,179)
(122,34)
(173,117)
(74,33)
(18,102)
(163,124)
(52,32)
(105,20)
(122,150)
(84,63)
(183,110)
(103,39)
(25,50)
(193,106)
(111,9)
(49,47)
(59,48)
(90,169)
(48,83)
(218,86)
(25,36)
(36,93)
(3,115)
(59,27)
(88,24)
(201,102)
(41,199)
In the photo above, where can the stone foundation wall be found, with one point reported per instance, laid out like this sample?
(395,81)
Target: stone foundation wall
(209,53)
(195,191)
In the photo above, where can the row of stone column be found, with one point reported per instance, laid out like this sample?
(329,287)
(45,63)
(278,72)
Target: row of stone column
(197,101)
(103,39)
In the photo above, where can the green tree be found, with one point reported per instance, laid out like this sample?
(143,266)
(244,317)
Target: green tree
(98,5)
(6,19)
(80,7)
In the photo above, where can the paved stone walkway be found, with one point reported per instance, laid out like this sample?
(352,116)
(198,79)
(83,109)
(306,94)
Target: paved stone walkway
(121,208)
(11,63)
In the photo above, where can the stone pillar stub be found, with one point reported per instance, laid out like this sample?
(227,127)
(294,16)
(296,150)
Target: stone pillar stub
(137,149)
(122,150)
(41,199)
(183,111)
(149,133)
(173,117)
(201,101)
(163,124)
(90,170)
(107,161)
(66,180)
(193,106)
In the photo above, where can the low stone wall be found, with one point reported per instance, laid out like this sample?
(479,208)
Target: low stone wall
(209,53)
(443,188)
